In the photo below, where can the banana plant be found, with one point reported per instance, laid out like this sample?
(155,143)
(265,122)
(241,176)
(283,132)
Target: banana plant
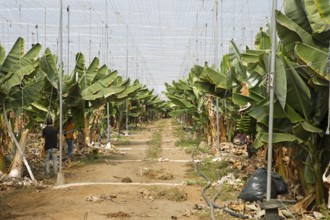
(188,103)
(301,85)
(308,81)
(18,89)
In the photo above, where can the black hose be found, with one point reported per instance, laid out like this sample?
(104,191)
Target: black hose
(210,203)
(208,184)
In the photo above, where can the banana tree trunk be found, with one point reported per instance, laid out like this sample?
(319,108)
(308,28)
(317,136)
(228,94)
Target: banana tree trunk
(17,164)
(305,186)
(119,122)
(316,166)
(2,161)
(212,123)
(87,131)
(223,129)
(8,126)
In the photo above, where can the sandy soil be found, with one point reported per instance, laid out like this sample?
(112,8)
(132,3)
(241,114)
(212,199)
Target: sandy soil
(103,195)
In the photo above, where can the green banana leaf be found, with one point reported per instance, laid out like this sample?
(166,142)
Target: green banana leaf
(29,94)
(16,65)
(197,70)
(299,96)
(304,129)
(240,99)
(281,84)
(129,90)
(205,87)
(181,103)
(102,72)
(99,85)
(238,70)
(86,76)
(181,85)
(262,41)
(321,29)
(216,78)
(144,94)
(292,115)
(2,57)
(277,138)
(290,33)
(323,7)
(48,68)
(256,94)
(105,93)
(295,10)
(316,59)
(177,112)
(92,71)
(14,56)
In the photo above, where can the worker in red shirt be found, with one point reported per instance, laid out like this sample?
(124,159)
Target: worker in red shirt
(68,133)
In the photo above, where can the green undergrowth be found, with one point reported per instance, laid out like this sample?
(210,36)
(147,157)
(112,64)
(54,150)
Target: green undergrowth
(154,144)
(213,170)
(188,142)
(119,139)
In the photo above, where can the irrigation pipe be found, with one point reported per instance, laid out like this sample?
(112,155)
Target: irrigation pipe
(211,203)
(208,184)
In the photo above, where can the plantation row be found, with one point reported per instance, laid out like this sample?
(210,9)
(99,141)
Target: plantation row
(93,95)
(241,85)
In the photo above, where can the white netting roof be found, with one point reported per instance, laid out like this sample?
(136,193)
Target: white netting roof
(165,38)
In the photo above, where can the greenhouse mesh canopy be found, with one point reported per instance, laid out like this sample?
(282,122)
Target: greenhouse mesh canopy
(155,41)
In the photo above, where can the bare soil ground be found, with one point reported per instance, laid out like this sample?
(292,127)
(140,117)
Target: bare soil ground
(97,190)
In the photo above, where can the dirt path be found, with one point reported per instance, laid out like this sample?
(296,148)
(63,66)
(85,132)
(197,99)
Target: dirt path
(103,195)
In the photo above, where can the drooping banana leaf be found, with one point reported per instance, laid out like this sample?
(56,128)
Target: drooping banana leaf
(181,103)
(37,112)
(2,57)
(299,96)
(216,78)
(106,92)
(324,9)
(205,87)
(316,59)
(321,29)
(197,70)
(320,103)
(181,85)
(304,129)
(99,85)
(129,90)
(290,33)
(280,84)
(277,138)
(177,112)
(144,94)
(240,99)
(295,10)
(29,94)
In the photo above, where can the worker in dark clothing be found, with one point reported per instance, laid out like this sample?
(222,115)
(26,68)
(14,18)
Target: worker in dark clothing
(50,134)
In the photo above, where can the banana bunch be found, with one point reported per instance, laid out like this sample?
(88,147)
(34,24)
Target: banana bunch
(244,124)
